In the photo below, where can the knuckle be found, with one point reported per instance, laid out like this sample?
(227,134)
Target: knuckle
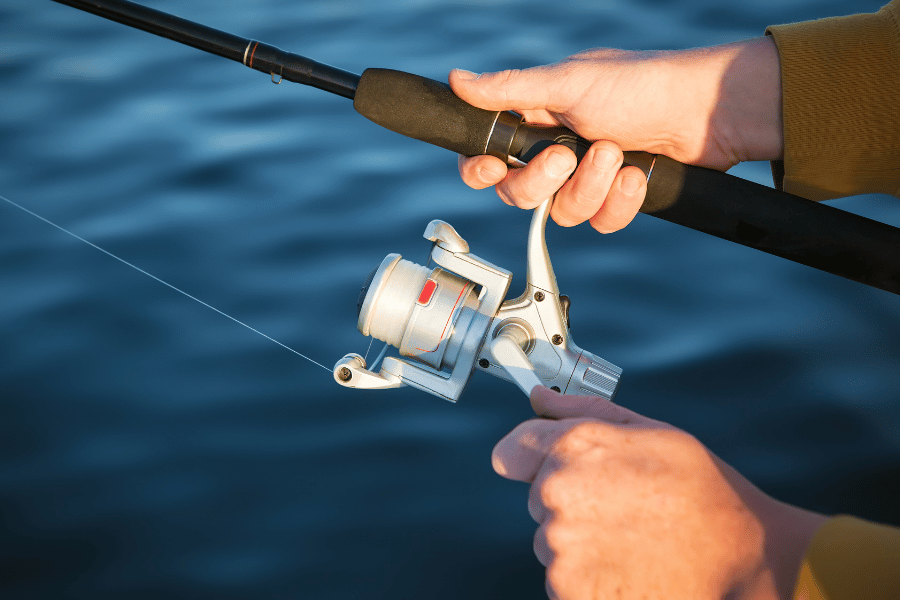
(687,443)
(523,195)
(528,200)
(467,170)
(622,416)
(676,445)
(611,218)
(558,579)
(585,200)
(479,172)
(554,491)
(536,506)
(601,226)
(579,203)
(584,436)
(541,548)
(564,214)
(563,221)
(503,80)
(507,75)
(548,588)
(671,436)
(556,535)
(608,146)
(504,196)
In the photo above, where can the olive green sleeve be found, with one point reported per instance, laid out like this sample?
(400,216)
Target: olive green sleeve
(841,101)
(851,559)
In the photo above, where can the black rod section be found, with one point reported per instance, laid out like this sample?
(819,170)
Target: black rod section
(754,215)
(250,53)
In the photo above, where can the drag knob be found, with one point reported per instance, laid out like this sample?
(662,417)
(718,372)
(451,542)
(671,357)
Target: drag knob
(594,376)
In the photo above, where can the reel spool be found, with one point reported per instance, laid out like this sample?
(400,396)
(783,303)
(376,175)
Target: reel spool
(417,310)
(451,319)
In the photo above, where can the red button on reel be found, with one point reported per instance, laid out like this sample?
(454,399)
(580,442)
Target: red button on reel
(427,292)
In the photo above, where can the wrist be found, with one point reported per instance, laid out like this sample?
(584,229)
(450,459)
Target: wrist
(789,532)
(733,110)
(751,101)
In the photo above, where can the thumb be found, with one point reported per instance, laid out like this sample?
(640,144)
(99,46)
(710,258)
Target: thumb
(553,405)
(527,89)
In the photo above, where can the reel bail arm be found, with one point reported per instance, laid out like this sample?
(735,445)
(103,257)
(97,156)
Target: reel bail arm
(351,371)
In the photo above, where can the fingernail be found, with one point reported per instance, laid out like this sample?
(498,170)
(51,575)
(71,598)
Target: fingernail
(630,184)
(558,164)
(489,176)
(604,159)
(466,75)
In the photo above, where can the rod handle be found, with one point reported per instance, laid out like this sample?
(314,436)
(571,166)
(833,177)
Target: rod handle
(428,110)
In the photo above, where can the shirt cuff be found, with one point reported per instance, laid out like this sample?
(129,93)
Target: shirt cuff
(851,559)
(841,104)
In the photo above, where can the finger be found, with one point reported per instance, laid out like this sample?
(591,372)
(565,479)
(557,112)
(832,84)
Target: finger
(582,196)
(520,454)
(549,589)
(623,201)
(525,89)
(539,179)
(480,172)
(536,507)
(542,547)
(553,405)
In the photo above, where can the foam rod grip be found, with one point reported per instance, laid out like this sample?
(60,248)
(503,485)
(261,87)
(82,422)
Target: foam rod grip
(423,109)
(812,234)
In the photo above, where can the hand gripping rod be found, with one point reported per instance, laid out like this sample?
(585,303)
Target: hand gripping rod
(706,200)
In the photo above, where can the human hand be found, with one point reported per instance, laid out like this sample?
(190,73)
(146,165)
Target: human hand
(632,508)
(712,107)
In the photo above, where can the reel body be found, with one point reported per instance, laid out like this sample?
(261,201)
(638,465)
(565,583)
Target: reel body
(449,320)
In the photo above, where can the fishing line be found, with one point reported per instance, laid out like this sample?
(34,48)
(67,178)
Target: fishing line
(380,357)
(121,260)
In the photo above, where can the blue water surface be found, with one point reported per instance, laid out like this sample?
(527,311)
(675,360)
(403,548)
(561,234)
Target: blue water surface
(150,447)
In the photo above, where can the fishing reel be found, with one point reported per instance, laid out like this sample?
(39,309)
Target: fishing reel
(449,320)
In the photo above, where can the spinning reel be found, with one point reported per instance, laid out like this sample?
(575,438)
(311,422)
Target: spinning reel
(452,319)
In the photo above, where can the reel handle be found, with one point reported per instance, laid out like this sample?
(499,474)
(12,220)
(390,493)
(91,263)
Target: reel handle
(511,358)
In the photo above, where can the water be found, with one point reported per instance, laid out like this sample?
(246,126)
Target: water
(152,447)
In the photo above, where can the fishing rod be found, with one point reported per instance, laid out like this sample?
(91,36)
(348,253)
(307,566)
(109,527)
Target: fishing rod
(728,207)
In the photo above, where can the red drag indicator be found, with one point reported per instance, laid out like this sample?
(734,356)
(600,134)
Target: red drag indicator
(427,291)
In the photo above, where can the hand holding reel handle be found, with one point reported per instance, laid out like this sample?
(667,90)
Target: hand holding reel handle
(452,318)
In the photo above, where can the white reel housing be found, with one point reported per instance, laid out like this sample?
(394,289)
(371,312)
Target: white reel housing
(449,320)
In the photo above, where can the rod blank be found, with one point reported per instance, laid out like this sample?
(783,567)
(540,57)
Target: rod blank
(253,54)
